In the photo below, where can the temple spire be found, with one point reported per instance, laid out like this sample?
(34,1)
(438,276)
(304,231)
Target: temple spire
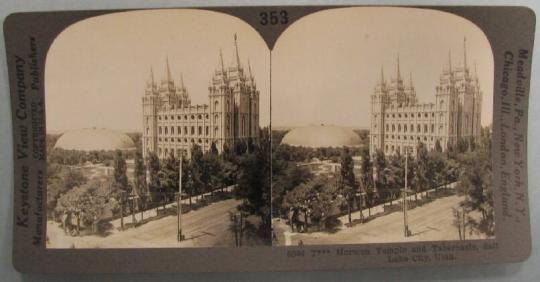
(168,70)
(181,81)
(236,51)
(464,53)
(410,80)
(398,69)
(450,61)
(475,73)
(249,70)
(221,64)
(151,79)
(382,75)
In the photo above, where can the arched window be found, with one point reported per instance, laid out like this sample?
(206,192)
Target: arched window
(172,130)
(199,131)
(166,130)
(216,131)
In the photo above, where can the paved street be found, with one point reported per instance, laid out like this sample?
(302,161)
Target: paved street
(432,221)
(205,227)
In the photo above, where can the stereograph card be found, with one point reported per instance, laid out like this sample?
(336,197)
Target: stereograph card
(269,138)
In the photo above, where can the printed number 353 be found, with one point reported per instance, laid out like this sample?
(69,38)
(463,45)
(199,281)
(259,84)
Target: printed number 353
(274,17)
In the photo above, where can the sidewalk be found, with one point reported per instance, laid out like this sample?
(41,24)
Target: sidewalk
(380,208)
(128,219)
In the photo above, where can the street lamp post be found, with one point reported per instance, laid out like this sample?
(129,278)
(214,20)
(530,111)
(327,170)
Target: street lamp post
(179,235)
(406,230)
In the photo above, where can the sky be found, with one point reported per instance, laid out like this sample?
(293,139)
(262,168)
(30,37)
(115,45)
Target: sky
(96,69)
(324,66)
(329,62)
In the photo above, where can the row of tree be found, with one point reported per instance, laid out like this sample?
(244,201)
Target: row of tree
(155,182)
(306,198)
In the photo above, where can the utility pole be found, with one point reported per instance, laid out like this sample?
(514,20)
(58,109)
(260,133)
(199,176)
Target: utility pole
(122,210)
(405,191)
(179,235)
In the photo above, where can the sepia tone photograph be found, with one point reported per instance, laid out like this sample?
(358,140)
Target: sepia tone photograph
(389,137)
(158,132)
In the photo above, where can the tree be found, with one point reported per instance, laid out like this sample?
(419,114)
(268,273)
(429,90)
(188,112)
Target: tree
(395,175)
(213,172)
(198,175)
(154,167)
(120,170)
(298,201)
(89,203)
(61,179)
(349,187)
(188,186)
(365,178)
(422,170)
(254,183)
(169,174)
(438,165)
(379,165)
(213,149)
(438,147)
(475,182)
(121,181)
(139,181)
(317,200)
(288,179)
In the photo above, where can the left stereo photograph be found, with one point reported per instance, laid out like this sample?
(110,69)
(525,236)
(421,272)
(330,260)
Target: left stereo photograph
(158,132)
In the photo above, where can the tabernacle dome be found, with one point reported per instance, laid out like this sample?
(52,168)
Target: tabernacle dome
(94,139)
(320,136)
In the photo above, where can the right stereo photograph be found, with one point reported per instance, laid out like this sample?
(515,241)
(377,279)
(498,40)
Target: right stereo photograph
(381,128)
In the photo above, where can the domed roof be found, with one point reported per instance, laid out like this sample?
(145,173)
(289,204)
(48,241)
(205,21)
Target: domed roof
(94,139)
(317,136)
